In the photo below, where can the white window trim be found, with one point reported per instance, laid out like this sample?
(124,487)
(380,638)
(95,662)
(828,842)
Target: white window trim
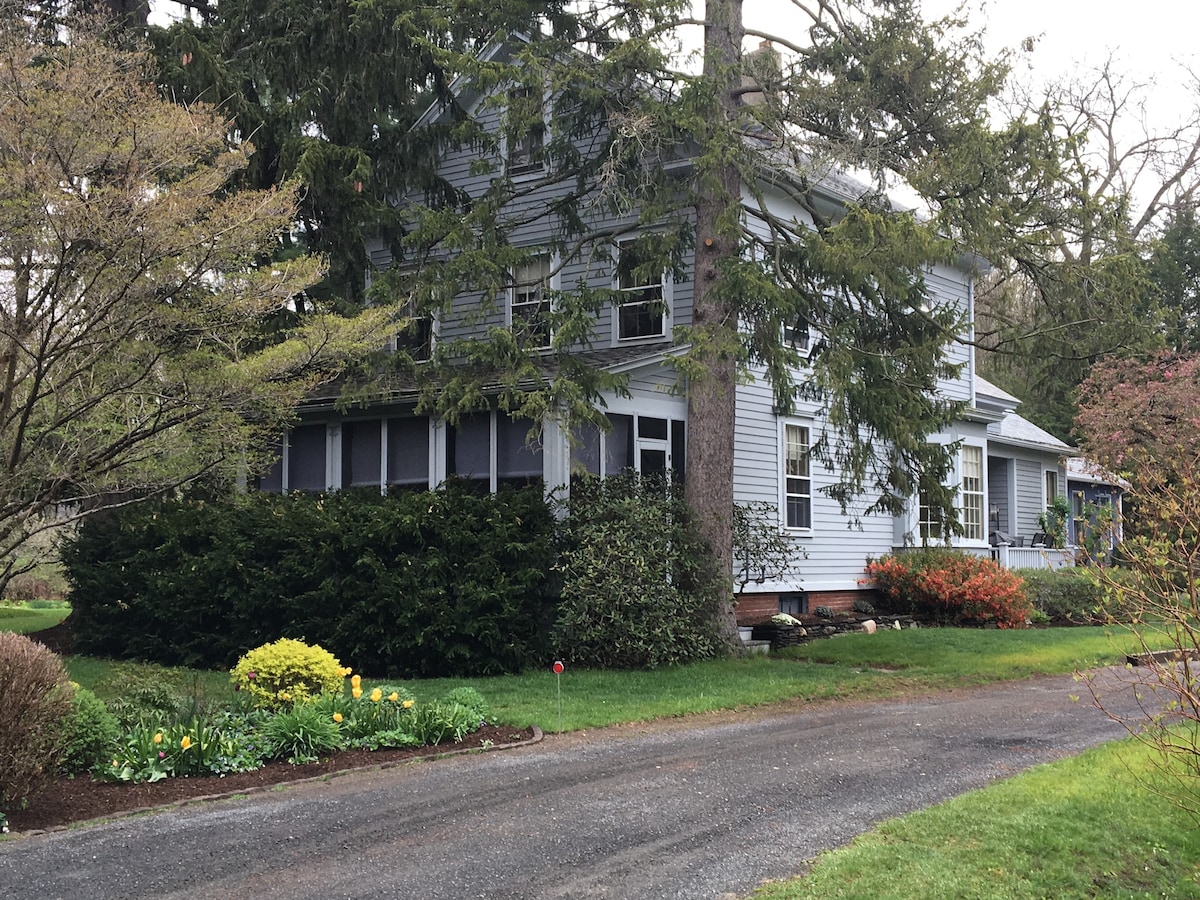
(553,285)
(781,471)
(1047,499)
(532,172)
(668,286)
(962,540)
(806,350)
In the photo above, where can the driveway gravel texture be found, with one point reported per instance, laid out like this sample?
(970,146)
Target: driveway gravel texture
(702,807)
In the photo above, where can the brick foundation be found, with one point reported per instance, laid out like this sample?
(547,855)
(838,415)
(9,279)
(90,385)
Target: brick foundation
(755,609)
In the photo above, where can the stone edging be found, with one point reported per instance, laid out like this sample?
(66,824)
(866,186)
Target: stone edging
(259,789)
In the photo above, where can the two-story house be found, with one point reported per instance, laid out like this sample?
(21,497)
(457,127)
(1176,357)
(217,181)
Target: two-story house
(1006,469)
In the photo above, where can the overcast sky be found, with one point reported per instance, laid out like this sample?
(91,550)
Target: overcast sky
(1149,39)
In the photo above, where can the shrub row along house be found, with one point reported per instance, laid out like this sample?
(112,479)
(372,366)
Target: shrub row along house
(1006,469)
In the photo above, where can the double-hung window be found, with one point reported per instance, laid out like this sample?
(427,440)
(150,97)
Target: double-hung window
(641,312)
(971,496)
(797,477)
(525,134)
(530,304)
(929,525)
(1051,487)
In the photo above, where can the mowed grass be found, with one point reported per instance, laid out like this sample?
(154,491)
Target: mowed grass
(1097,825)
(981,655)
(1084,827)
(850,667)
(23,620)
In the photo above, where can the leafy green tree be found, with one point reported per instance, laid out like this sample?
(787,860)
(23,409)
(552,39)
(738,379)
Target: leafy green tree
(1077,287)
(134,290)
(1175,275)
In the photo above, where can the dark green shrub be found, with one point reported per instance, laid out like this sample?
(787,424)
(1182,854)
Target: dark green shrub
(1066,596)
(89,733)
(408,585)
(950,588)
(35,698)
(638,587)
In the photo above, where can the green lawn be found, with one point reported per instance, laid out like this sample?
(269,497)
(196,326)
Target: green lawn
(1097,825)
(23,620)
(854,666)
(1080,828)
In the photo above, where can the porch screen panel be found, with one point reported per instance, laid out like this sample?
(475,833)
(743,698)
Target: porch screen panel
(408,452)
(272,479)
(585,450)
(618,445)
(306,458)
(472,458)
(361,454)
(972,493)
(517,461)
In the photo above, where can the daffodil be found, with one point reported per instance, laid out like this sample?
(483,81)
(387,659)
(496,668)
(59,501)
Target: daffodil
(337,717)
(376,695)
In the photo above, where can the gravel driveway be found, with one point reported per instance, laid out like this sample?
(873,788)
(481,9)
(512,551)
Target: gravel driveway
(689,808)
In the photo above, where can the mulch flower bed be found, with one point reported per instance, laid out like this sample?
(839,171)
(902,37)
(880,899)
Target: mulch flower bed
(76,800)
(70,800)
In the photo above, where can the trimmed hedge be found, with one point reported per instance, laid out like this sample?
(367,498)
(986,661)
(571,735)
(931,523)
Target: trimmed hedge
(414,584)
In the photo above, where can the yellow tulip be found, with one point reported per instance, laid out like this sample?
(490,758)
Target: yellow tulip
(376,695)
(393,696)
(356,693)
(356,681)
(408,704)
(158,738)
(337,717)
(186,742)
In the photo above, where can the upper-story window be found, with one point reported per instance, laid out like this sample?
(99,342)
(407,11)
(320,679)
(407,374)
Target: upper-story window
(798,336)
(526,133)
(797,477)
(530,303)
(641,311)
(414,337)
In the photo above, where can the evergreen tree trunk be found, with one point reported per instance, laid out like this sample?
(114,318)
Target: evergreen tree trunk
(712,388)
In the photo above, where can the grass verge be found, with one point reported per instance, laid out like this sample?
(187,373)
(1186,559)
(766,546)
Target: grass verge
(1096,825)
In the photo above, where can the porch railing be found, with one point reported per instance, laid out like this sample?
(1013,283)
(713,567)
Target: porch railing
(1033,557)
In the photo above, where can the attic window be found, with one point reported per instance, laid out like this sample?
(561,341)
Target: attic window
(523,151)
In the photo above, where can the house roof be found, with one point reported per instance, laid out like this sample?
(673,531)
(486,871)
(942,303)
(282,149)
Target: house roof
(1080,468)
(1017,431)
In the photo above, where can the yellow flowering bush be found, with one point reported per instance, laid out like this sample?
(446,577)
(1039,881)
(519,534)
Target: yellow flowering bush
(287,671)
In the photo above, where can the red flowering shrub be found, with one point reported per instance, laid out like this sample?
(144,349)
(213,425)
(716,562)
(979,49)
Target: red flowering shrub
(951,588)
